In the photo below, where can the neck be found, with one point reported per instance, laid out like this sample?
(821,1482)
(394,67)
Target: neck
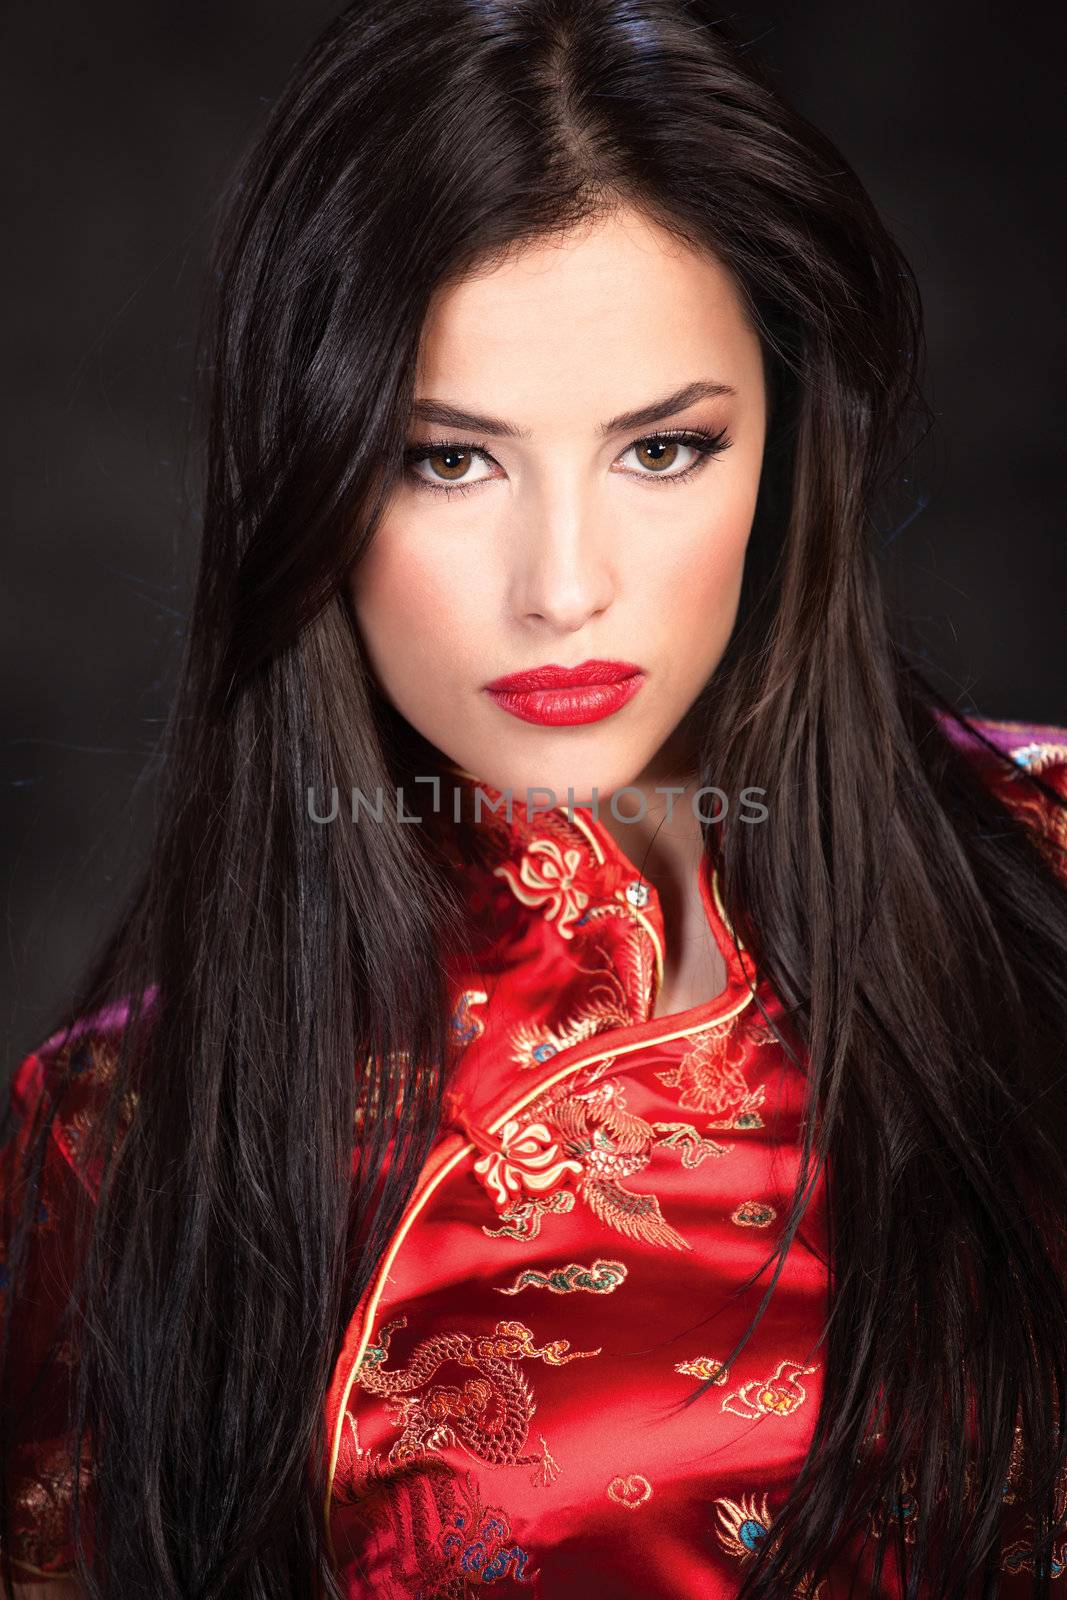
(665,844)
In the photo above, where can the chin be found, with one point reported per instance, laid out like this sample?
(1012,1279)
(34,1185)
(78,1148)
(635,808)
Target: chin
(588,772)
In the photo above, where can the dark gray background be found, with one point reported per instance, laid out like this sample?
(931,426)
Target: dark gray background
(122,122)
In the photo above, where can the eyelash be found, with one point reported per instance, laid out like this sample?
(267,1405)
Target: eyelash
(707,444)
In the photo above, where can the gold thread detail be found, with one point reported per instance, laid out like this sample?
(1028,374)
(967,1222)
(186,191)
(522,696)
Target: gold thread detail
(631,1492)
(440,1173)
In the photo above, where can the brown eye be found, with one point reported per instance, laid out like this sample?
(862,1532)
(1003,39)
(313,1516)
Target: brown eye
(440,466)
(659,454)
(450,464)
(667,456)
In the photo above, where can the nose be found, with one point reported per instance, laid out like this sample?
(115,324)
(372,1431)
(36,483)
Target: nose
(564,572)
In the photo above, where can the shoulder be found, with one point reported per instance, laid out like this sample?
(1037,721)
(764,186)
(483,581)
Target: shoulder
(48,1181)
(65,1081)
(1024,764)
(1033,746)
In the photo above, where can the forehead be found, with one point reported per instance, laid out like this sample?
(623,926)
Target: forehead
(616,307)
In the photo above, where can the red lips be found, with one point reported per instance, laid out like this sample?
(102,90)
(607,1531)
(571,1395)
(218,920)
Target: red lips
(558,695)
(553,677)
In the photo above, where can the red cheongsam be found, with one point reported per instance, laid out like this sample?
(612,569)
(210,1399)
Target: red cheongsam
(507,1413)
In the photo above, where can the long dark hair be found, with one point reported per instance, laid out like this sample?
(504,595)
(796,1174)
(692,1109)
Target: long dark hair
(912,927)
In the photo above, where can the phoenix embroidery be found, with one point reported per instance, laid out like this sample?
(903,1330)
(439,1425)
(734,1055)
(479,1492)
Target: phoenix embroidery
(587,1144)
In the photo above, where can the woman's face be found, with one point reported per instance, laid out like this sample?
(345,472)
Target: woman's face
(540,522)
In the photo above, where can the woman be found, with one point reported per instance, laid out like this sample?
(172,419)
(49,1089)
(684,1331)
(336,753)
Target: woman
(692,1222)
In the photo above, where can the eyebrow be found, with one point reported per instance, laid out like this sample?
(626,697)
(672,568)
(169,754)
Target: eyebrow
(447,416)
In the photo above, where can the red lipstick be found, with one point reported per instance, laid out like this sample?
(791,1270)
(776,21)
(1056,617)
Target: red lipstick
(559,696)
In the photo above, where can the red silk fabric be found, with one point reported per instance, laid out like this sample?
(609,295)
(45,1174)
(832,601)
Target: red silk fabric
(509,1409)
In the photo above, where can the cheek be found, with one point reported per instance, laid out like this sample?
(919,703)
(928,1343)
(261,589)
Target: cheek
(410,608)
(694,567)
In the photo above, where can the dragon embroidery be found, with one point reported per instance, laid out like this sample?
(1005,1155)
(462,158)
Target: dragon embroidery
(606,1006)
(488,1415)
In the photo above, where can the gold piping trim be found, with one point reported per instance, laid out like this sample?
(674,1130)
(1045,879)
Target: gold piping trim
(721,909)
(418,1202)
(617,1050)
(573,816)
(404,1228)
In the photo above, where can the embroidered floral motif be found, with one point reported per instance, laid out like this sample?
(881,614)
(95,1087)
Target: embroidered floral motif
(596,1143)
(704,1367)
(744,1524)
(710,1079)
(476,1544)
(489,1416)
(484,1550)
(753,1214)
(1021,1555)
(545,880)
(1036,756)
(42,1509)
(630,1492)
(560,871)
(90,1059)
(77,1128)
(603,1277)
(534,1043)
(449,1543)
(1048,821)
(902,1508)
(466,1027)
(776,1396)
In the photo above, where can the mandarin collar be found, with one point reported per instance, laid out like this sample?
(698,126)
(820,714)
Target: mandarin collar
(568,868)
